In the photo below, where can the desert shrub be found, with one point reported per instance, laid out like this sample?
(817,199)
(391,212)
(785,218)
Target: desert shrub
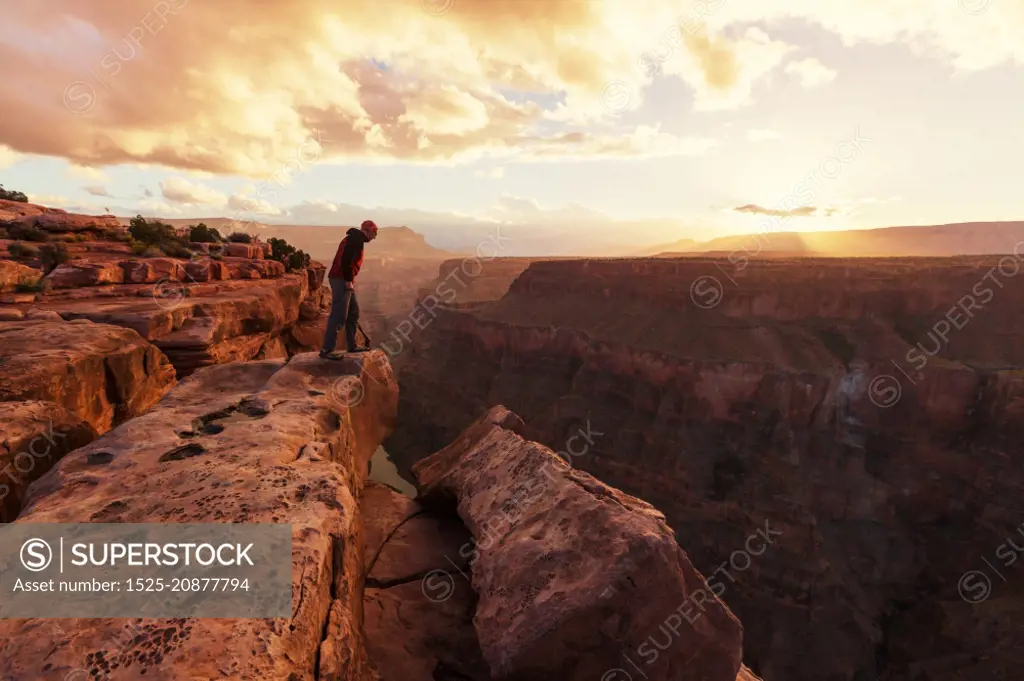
(27,233)
(138,248)
(151,232)
(283,252)
(152,252)
(298,260)
(204,235)
(53,255)
(22,251)
(240,238)
(174,249)
(280,249)
(10,195)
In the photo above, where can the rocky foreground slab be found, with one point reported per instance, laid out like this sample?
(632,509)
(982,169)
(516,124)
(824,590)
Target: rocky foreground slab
(574,577)
(269,441)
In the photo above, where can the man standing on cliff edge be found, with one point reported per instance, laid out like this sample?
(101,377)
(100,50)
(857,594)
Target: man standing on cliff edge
(344,308)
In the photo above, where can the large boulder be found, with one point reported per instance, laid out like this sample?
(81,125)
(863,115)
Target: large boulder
(101,374)
(575,578)
(13,274)
(150,270)
(206,269)
(275,442)
(80,273)
(239,250)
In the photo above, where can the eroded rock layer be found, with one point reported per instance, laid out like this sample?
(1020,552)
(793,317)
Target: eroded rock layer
(270,442)
(572,575)
(865,413)
(102,373)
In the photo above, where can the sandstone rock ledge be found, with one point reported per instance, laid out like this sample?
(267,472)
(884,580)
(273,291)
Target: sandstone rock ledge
(573,576)
(270,441)
(62,384)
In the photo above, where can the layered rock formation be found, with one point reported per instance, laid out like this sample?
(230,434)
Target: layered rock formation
(271,443)
(229,306)
(61,384)
(546,592)
(864,413)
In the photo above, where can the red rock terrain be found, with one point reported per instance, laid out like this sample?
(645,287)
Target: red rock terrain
(867,410)
(101,337)
(207,309)
(276,441)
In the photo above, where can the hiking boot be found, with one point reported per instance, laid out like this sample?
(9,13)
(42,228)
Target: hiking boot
(361,348)
(330,355)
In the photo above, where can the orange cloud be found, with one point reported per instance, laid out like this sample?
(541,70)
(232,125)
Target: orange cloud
(235,86)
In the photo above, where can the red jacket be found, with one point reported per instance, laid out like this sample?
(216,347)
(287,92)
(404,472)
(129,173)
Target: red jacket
(349,257)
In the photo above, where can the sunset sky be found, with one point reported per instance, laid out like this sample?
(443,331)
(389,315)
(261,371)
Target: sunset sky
(681,119)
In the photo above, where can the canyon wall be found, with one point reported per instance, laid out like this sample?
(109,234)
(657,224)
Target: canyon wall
(866,414)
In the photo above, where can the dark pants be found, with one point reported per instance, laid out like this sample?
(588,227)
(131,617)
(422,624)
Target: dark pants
(344,310)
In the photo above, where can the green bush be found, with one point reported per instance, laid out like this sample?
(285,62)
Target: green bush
(151,232)
(161,236)
(138,248)
(240,238)
(53,255)
(9,195)
(283,252)
(24,233)
(204,235)
(297,261)
(22,251)
(152,252)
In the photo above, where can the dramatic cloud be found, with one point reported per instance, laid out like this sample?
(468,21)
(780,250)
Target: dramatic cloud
(182,191)
(810,72)
(97,191)
(801,212)
(239,87)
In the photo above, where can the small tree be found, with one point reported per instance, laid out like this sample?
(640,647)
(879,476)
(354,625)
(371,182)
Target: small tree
(10,195)
(288,255)
(151,231)
(240,238)
(204,235)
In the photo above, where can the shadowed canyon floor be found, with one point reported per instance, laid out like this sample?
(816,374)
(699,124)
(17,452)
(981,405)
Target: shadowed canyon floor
(866,410)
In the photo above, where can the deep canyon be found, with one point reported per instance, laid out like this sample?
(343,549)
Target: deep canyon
(867,410)
(823,454)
